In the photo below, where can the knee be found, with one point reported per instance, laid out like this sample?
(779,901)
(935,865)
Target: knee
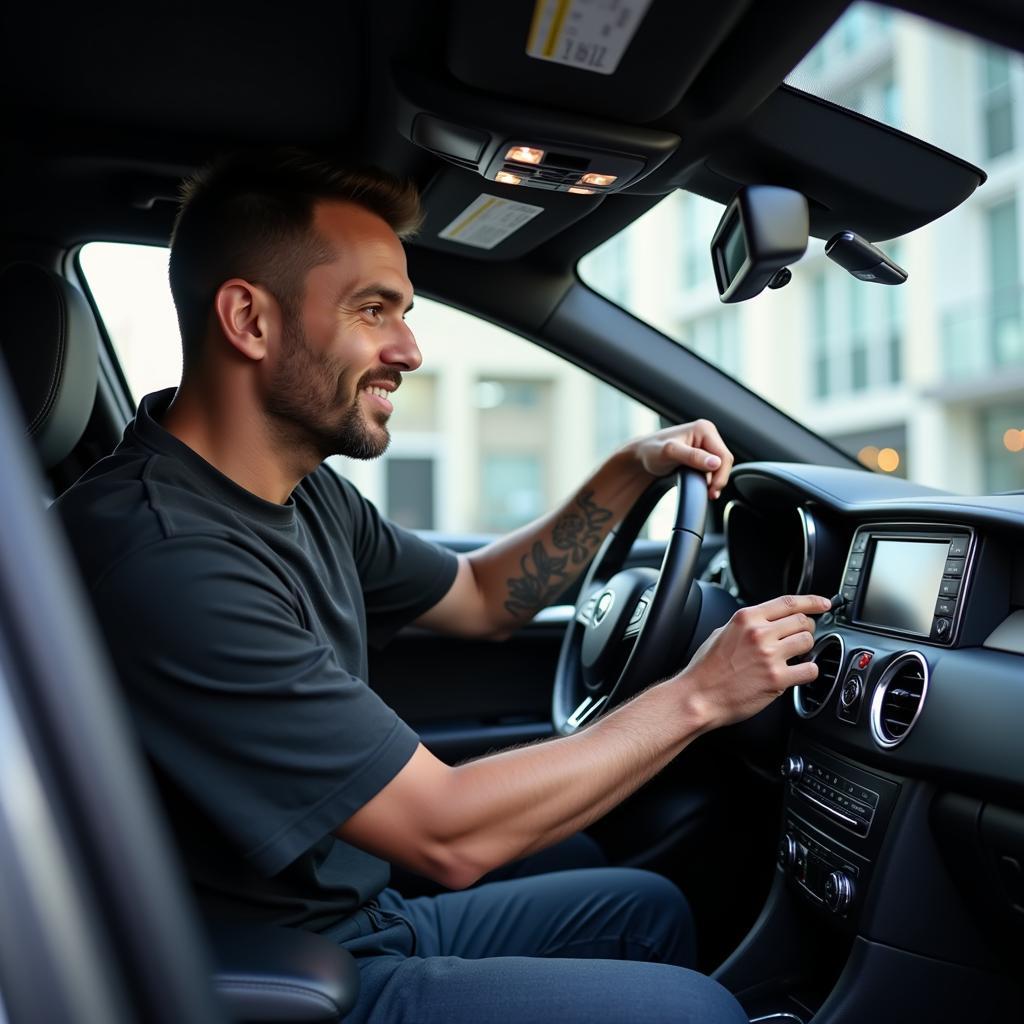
(665,916)
(702,1000)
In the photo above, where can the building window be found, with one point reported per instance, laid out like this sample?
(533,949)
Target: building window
(696,233)
(410,491)
(515,418)
(716,338)
(513,491)
(1002,428)
(1006,338)
(997,102)
(857,334)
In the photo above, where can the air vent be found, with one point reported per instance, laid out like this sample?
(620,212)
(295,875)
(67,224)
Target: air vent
(828,653)
(899,698)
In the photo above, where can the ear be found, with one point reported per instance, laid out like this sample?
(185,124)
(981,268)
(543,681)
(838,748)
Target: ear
(246,315)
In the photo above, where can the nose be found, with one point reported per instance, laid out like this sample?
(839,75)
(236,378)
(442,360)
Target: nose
(401,351)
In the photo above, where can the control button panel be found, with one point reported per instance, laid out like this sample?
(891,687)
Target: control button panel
(830,877)
(841,800)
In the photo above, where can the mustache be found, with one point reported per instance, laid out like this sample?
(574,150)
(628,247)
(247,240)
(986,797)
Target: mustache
(387,373)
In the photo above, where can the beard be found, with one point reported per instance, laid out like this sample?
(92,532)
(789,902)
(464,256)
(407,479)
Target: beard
(309,403)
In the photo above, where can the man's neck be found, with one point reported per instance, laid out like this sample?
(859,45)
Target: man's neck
(233,435)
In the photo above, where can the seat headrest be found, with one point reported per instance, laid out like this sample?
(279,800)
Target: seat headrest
(49,338)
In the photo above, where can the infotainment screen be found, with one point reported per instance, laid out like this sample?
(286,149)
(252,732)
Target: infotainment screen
(904,584)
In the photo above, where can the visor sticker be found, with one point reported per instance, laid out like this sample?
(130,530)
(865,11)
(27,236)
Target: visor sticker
(591,35)
(489,220)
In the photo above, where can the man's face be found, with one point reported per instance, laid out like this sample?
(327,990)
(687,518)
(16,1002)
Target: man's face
(341,358)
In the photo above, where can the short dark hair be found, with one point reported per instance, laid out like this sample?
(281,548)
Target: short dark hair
(250,215)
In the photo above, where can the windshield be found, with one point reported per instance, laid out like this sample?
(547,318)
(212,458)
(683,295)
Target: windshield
(924,380)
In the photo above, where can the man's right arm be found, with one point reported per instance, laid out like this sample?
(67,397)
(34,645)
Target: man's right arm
(456,824)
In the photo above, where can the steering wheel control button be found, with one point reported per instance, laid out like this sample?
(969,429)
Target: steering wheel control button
(838,892)
(792,768)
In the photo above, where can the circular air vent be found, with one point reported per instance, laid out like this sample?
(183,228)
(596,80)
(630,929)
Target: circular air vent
(898,699)
(828,654)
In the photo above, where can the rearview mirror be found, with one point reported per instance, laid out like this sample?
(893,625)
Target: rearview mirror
(763,228)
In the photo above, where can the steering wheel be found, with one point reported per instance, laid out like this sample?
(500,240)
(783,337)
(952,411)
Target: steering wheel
(631,626)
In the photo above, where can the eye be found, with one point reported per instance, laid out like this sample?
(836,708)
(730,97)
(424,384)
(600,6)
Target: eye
(374,311)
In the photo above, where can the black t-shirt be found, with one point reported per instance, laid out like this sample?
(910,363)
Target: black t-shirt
(239,629)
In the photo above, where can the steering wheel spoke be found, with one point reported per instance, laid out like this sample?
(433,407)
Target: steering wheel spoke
(589,707)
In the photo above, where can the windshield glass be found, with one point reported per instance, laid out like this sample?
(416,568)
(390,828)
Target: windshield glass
(924,380)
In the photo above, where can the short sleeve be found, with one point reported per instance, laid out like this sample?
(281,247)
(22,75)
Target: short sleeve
(238,703)
(402,575)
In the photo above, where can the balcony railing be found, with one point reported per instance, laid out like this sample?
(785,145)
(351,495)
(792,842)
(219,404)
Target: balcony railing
(984,336)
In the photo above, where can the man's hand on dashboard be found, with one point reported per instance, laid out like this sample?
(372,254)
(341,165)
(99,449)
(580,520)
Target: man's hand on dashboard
(696,445)
(743,666)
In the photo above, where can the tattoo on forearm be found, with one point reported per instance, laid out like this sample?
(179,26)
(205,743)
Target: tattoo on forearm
(578,532)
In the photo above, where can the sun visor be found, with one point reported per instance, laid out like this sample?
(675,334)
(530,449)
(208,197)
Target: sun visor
(594,57)
(857,174)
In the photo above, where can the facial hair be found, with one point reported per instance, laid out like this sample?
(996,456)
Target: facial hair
(308,400)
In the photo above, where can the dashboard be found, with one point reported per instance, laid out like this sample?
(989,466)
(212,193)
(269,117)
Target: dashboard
(921,671)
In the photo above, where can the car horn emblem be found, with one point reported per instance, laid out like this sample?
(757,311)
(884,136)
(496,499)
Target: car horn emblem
(603,607)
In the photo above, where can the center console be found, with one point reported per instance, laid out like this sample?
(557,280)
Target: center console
(834,820)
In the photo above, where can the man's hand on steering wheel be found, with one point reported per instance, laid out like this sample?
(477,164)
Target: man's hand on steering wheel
(696,445)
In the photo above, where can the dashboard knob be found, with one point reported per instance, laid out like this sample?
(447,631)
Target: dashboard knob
(787,852)
(838,892)
(792,768)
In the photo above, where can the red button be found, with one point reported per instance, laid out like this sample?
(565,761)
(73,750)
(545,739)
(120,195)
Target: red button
(864,660)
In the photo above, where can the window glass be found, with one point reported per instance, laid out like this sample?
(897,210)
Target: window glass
(491,431)
(923,379)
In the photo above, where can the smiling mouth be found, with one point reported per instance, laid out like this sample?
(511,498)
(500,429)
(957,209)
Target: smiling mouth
(380,398)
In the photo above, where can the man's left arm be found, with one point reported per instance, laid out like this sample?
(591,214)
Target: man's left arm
(500,587)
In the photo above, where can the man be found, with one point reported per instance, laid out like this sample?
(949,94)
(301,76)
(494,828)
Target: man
(238,579)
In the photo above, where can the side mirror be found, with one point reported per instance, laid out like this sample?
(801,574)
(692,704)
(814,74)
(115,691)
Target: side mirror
(764,227)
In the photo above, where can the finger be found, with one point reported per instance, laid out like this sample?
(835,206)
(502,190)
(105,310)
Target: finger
(790,604)
(790,624)
(796,644)
(710,441)
(694,458)
(801,674)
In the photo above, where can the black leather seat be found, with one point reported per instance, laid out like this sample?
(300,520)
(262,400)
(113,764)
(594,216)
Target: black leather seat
(50,342)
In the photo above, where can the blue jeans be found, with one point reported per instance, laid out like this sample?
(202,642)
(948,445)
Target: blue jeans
(593,945)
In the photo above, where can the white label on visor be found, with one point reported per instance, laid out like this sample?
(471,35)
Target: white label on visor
(489,220)
(591,35)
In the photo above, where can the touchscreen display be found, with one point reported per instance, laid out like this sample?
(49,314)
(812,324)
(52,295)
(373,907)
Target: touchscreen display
(904,584)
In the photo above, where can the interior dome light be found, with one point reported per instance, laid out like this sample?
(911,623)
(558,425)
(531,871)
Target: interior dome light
(508,179)
(525,155)
(581,191)
(602,180)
